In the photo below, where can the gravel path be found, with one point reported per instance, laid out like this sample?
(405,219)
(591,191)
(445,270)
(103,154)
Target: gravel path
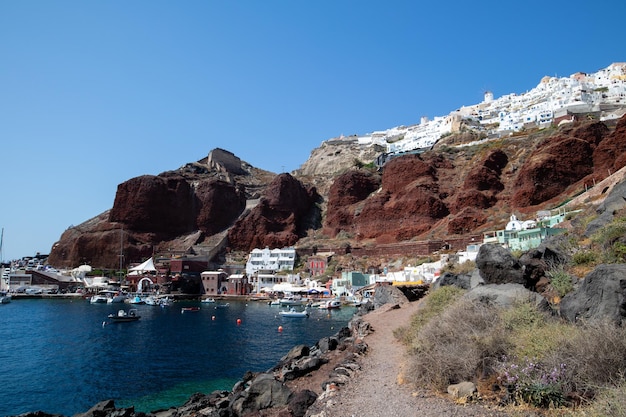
(375,390)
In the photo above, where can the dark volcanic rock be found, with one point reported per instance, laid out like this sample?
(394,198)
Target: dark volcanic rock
(602,295)
(498,266)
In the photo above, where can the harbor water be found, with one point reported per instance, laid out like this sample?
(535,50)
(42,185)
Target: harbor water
(63,356)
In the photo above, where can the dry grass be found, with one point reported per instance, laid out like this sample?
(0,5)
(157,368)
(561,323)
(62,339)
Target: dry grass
(555,363)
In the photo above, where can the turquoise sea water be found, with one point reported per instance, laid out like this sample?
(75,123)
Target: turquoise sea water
(59,356)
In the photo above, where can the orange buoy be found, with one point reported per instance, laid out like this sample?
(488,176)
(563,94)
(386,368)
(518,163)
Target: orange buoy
(280,329)
(238,321)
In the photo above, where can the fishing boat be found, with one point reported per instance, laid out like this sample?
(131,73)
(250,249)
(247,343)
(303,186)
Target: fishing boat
(124,316)
(292,312)
(189,309)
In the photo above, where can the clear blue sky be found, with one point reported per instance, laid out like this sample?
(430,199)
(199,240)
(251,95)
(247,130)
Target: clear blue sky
(93,93)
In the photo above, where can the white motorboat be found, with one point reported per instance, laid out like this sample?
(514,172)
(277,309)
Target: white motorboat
(292,312)
(99,298)
(208,300)
(107,296)
(5,297)
(292,301)
(151,300)
(330,304)
(165,302)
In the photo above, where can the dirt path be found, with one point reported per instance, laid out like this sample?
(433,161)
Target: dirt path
(377,389)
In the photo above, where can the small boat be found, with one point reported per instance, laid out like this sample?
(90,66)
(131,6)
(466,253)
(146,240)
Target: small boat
(124,316)
(330,304)
(137,300)
(189,309)
(274,302)
(208,300)
(100,298)
(292,301)
(165,302)
(293,313)
(151,300)
(223,305)
(5,297)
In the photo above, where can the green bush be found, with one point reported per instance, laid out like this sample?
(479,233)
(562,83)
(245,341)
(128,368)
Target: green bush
(560,281)
(584,257)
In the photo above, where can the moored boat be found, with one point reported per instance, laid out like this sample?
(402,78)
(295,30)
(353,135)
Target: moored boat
(292,312)
(292,301)
(137,300)
(189,309)
(208,300)
(5,297)
(330,304)
(124,316)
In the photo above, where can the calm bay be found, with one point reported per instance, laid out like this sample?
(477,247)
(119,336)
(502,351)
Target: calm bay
(62,356)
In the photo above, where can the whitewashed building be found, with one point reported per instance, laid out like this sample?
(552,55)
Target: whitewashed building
(271,260)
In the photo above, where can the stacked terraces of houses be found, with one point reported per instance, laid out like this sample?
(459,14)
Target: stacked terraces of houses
(602,93)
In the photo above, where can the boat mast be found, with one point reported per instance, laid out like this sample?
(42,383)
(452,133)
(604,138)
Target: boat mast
(121,253)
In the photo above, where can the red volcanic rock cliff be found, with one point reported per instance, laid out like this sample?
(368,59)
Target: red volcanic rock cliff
(459,190)
(447,191)
(278,220)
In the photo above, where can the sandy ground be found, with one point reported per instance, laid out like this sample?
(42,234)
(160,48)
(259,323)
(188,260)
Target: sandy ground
(378,388)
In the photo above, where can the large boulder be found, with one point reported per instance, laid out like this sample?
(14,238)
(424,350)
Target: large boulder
(264,392)
(601,295)
(614,202)
(506,296)
(388,294)
(498,266)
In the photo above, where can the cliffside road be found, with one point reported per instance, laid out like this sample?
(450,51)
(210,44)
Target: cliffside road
(375,390)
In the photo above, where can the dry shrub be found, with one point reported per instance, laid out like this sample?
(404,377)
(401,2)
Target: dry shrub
(595,354)
(610,402)
(458,344)
(434,303)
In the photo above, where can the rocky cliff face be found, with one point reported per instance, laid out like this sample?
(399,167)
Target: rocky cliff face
(450,190)
(460,190)
(280,218)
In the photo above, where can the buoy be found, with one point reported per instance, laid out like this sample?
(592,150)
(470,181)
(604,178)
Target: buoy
(238,322)
(212,317)
(280,329)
